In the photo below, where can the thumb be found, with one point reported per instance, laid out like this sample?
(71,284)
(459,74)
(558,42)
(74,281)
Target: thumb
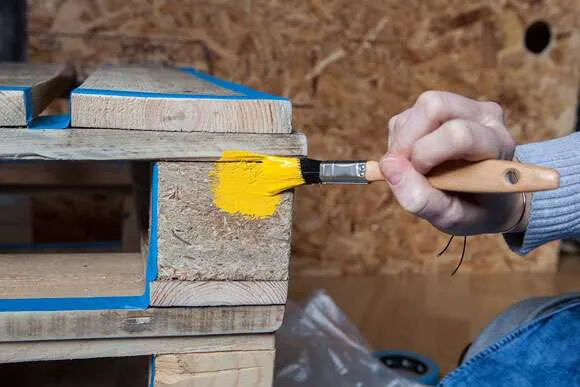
(413,191)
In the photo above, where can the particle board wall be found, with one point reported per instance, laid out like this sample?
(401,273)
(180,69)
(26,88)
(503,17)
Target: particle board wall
(348,67)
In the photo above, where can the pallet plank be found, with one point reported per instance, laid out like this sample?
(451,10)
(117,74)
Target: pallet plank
(24,351)
(169,99)
(71,275)
(217,293)
(27,88)
(111,144)
(153,322)
(224,369)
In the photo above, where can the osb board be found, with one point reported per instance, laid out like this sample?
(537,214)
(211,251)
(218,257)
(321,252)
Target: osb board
(198,241)
(348,67)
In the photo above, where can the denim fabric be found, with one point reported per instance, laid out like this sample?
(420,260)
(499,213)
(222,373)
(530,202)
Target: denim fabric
(543,352)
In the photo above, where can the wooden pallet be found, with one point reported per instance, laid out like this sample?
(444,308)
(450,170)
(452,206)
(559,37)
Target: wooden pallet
(184,271)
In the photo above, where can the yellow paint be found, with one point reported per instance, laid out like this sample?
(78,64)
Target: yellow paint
(250,184)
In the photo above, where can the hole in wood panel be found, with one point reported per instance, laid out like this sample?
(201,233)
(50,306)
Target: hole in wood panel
(71,229)
(538,37)
(104,372)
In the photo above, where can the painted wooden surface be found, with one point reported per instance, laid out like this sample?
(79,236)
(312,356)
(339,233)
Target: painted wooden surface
(224,369)
(211,293)
(13,352)
(348,67)
(174,100)
(153,322)
(26,89)
(71,275)
(198,241)
(109,144)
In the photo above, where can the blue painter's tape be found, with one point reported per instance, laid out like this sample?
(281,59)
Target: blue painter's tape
(152,372)
(248,92)
(57,121)
(63,246)
(78,303)
(152,255)
(28,104)
(244,93)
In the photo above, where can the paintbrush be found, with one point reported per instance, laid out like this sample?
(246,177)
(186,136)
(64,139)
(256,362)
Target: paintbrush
(277,174)
(487,176)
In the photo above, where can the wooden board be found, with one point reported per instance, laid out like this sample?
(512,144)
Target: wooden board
(224,369)
(109,144)
(217,293)
(197,241)
(348,67)
(153,322)
(71,275)
(25,351)
(26,89)
(174,100)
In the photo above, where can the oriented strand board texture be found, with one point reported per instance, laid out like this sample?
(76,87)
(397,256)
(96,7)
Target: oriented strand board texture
(348,66)
(198,241)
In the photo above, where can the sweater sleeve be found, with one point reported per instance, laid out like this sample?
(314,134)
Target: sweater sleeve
(554,214)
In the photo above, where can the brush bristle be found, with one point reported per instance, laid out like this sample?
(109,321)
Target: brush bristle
(310,170)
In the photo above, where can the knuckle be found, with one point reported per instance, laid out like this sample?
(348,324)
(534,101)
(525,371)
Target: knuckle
(449,216)
(493,108)
(432,101)
(458,134)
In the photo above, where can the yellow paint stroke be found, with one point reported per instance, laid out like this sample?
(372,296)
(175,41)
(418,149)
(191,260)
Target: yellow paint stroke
(250,184)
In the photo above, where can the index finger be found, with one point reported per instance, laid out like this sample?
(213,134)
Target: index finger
(432,109)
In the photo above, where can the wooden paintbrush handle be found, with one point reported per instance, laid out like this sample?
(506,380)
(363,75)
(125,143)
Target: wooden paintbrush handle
(491,176)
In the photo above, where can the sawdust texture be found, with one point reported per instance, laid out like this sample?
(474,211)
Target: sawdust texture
(348,66)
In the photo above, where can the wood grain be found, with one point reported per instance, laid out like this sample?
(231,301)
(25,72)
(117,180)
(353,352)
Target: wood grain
(153,322)
(224,369)
(196,107)
(198,241)
(43,83)
(25,351)
(71,275)
(489,176)
(109,144)
(217,293)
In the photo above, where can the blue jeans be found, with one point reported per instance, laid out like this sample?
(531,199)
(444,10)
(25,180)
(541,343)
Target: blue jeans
(533,343)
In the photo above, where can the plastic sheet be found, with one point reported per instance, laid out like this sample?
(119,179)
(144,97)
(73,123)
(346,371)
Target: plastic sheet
(318,346)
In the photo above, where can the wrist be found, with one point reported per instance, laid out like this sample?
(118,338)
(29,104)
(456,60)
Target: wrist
(518,221)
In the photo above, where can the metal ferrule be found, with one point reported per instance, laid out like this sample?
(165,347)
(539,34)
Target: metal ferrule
(343,172)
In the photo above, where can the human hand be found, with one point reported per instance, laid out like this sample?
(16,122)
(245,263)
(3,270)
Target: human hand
(443,126)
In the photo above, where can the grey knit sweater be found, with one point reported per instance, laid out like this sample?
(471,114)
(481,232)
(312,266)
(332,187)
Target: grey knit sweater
(554,214)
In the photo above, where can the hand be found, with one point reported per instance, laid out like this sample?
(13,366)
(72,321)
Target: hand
(443,126)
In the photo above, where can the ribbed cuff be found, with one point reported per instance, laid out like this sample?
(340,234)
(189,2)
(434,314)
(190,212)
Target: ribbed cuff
(554,214)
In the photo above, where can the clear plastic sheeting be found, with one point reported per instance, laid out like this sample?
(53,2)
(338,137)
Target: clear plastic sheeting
(318,346)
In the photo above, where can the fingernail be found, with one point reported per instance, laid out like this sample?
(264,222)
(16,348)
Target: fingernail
(391,169)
